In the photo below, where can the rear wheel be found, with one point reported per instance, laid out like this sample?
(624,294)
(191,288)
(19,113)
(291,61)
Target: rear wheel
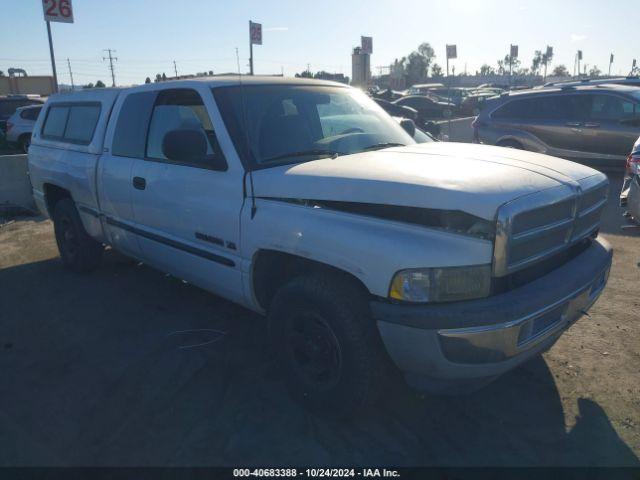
(327,345)
(511,144)
(24,143)
(79,252)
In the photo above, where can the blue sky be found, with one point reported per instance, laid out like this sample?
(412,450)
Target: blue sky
(203,34)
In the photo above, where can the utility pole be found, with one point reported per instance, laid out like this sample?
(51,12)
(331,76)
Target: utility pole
(70,73)
(111,59)
(175,68)
(610,62)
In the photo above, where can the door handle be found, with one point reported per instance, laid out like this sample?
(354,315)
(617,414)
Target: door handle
(591,125)
(139,183)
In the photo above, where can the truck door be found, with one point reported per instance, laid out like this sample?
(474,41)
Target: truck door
(124,142)
(187,212)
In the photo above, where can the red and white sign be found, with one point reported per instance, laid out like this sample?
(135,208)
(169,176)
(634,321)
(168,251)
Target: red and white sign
(57,11)
(255,33)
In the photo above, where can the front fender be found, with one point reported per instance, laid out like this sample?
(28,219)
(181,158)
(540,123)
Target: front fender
(371,249)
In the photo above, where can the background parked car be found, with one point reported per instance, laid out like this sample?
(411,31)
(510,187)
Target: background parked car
(20,125)
(423,88)
(596,125)
(427,107)
(473,104)
(630,195)
(9,104)
(396,110)
(455,95)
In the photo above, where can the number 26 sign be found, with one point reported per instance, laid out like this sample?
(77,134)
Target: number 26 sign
(57,11)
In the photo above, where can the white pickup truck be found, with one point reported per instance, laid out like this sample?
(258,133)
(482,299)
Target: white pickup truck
(304,201)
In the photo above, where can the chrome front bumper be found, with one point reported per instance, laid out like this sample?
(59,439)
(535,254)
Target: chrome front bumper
(487,337)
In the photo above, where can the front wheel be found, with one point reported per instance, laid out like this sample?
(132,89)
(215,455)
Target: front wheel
(79,252)
(326,343)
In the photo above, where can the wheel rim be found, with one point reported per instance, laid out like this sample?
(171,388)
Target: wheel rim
(314,350)
(69,238)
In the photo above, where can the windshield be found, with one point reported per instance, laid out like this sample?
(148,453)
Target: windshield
(290,124)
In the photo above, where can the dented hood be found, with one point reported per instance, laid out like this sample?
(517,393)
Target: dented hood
(476,179)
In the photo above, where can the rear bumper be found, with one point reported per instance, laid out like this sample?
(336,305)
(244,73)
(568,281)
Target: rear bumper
(481,339)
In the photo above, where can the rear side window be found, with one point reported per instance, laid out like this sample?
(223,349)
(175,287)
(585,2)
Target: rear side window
(130,134)
(515,109)
(56,122)
(30,113)
(552,107)
(72,123)
(81,123)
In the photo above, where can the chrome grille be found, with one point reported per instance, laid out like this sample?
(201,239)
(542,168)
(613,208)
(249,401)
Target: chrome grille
(539,225)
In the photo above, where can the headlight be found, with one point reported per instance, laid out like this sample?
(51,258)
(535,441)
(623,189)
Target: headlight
(441,284)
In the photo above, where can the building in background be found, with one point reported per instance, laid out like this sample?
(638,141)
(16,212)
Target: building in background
(360,68)
(19,83)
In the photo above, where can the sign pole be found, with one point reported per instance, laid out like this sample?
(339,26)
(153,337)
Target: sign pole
(53,59)
(250,50)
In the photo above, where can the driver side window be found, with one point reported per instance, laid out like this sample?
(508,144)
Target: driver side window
(180,109)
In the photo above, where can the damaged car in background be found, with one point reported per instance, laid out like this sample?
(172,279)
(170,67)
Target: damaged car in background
(304,201)
(630,194)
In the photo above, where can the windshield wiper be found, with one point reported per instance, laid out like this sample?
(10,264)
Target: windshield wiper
(378,146)
(303,153)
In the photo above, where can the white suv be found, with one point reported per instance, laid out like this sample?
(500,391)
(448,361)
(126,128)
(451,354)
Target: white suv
(20,125)
(305,201)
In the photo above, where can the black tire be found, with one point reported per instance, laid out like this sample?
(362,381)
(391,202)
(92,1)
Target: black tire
(24,142)
(511,144)
(79,252)
(327,344)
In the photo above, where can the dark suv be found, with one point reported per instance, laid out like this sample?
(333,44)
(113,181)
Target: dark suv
(596,125)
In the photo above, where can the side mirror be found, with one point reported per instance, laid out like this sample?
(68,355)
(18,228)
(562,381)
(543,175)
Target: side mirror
(408,126)
(189,146)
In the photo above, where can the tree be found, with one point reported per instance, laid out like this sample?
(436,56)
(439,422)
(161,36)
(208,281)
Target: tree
(88,85)
(416,68)
(546,59)
(1,73)
(560,71)
(147,80)
(158,78)
(436,71)
(100,84)
(486,70)
(536,62)
(595,71)
(503,65)
(427,52)
(164,77)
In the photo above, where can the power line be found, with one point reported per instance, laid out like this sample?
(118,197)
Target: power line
(111,59)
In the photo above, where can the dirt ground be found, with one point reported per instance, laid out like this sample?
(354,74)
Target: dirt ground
(93,374)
